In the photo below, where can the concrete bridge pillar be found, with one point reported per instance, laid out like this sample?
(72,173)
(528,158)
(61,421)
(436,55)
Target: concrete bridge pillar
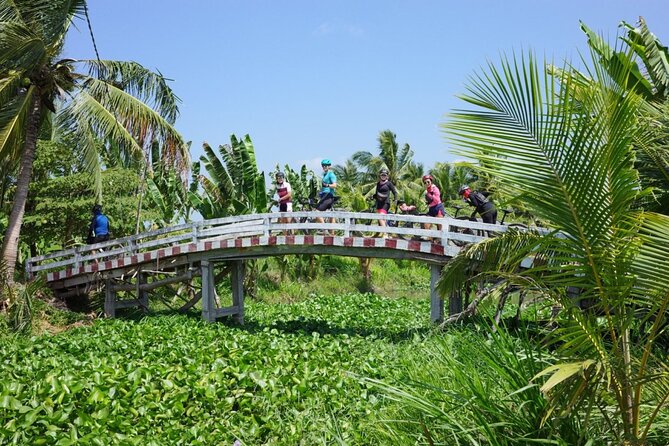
(436,302)
(210,309)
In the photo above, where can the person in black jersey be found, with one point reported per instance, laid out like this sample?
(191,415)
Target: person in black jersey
(382,195)
(480,201)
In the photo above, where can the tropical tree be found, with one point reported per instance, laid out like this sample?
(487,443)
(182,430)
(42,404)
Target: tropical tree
(235,186)
(398,160)
(111,102)
(639,63)
(305,183)
(569,151)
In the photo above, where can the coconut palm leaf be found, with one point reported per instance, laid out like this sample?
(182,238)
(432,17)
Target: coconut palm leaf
(13,118)
(143,123)
(20,48)
(149,87)
(574,162)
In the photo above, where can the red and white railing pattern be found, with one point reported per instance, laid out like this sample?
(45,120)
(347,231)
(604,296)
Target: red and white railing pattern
(444,237)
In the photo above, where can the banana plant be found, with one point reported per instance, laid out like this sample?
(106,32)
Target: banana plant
(234,186)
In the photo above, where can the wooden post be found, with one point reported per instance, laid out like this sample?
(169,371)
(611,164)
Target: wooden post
(455,303)
(208,291)
(436,303)
(110,299)
(142,295)
(237,281)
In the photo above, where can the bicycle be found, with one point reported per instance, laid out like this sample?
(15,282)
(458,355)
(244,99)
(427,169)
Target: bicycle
(309,205)
(408,210)
(481,232)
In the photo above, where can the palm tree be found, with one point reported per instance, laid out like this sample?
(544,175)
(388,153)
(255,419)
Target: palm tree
(113,102)
(569,150)
(640,63)
(397,160)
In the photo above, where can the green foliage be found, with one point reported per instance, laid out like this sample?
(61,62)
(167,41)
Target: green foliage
(568,149)
(235,186)
(59,210)
(113,104)
(466,388)
(287,378)
(305,183)
(19,298)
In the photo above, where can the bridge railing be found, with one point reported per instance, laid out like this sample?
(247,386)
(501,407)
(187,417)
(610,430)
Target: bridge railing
(347,224)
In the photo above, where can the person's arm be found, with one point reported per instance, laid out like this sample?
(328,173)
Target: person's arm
(289,193)
(333,180)
(436,196)
(393,189)
(91,227)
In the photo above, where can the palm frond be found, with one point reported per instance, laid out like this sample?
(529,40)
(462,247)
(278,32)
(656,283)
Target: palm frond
(20,48)
(13,119)
(149,87)
(141,121)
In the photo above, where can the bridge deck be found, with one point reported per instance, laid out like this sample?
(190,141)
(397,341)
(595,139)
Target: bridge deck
(195,246)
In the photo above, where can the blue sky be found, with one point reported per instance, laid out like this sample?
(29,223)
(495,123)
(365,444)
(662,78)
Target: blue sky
(315,79)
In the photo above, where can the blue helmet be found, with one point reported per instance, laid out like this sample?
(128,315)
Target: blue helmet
(326,162)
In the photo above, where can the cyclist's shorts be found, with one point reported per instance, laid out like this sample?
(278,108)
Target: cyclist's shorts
(100,238)
(488,213)
(286,207)
(326,202)
(436,211)
(382,207)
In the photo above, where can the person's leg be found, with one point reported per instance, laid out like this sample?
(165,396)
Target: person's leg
(323,205)
(382,208)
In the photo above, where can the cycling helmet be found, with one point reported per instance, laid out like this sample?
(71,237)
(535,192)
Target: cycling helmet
(428,177)
(326,162)
(383,171)
(97,209)
(280,175)
(462,189)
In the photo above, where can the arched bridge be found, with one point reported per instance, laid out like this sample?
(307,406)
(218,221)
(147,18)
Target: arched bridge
(131,267)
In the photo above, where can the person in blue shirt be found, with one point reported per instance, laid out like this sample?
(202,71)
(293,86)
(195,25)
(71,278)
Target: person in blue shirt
(328,185)
(98,230)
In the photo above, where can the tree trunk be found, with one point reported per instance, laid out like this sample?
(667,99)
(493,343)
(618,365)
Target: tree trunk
(10,245)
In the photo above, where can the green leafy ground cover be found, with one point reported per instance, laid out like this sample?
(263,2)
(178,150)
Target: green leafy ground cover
(291,375)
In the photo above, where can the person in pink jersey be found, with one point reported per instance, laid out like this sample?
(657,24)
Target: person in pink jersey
(435,207)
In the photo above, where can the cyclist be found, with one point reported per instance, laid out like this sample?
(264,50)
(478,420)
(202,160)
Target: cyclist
(328,186)
(435,207)
(98,230)
(382,195)
(285,193)
(480,201)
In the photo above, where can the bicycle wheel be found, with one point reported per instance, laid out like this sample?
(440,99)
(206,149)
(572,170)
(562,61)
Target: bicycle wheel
(460,230)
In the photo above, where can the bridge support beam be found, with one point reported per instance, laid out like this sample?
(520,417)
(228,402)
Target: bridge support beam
(455,303)
(141,294)
(436,303)
(208,291)
(238,273)
(110,299)
(210,310)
